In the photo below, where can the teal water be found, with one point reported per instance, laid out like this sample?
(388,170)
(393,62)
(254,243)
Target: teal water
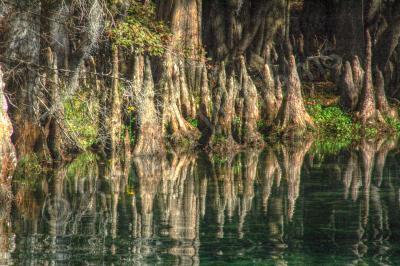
(284,205)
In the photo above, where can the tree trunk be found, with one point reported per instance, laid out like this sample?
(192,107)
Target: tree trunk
(148,138)
(293,118)
(368,114)
(250,116)
(176,128)
(269,96)
(116,105)
(22,87)
(381,101)
(223,112)
(349,92)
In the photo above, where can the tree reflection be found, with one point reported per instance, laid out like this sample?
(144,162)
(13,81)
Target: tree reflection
(180,208)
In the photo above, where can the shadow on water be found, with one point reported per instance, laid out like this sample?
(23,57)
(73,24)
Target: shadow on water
(285,204)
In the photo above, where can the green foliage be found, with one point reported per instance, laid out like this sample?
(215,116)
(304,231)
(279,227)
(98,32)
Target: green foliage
(82,166)
(28,170)
(332,122)
(193,122)
(261,125)
(371,132)
(218,159)
(336,129)
(140,30)
(237,121)
(330,145)
(393,123)
(78,117)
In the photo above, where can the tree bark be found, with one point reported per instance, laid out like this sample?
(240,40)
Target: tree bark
(148,141)
(349,92)
(367,107)
(250,116)
(293,118)
(223,112)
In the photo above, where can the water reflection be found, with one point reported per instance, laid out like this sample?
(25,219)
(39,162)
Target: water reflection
(285,204)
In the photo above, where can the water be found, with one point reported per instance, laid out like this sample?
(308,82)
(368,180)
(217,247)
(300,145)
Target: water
(284,205)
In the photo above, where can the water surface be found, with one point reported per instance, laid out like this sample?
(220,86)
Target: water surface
(283,205)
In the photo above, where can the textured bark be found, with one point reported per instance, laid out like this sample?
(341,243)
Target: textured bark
(367,106)
(278,94)
(250,116)
(204,111)
(381,101)
(350,28)
(7,151)
(348,91)
(223,112)
(358,74)
(148,141)
(22,84)
(389,39)
(241,27)
(116,105)
(293,118)
(60,141)
(269,89)
(176,128)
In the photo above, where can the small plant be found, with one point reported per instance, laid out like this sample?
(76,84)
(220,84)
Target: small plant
(332,122)
(194,122)
(237,121)
(261,125)
(393,123)
(371,132)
